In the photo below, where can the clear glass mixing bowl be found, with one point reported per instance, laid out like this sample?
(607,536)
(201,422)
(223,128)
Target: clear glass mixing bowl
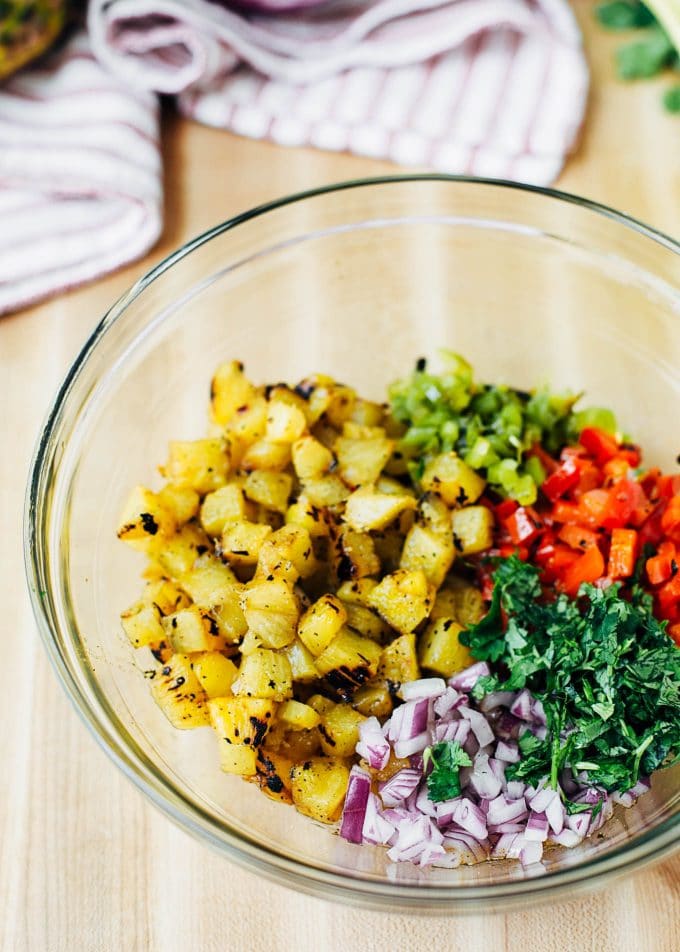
(356,281)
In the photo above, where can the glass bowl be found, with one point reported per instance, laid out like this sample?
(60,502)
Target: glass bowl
(355,280)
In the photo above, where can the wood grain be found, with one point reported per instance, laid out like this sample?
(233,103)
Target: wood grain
(85,863)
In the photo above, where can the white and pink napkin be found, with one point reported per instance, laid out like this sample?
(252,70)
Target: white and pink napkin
(482,87)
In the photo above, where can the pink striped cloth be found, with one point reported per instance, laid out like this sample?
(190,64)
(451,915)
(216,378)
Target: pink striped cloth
(483,87)
(80,175)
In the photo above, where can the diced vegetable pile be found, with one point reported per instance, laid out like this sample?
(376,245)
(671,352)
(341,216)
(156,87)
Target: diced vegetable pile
(444,620)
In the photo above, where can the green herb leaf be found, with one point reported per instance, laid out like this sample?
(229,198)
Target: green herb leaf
(671,99)
(647,57)
(443,782)
(623,15)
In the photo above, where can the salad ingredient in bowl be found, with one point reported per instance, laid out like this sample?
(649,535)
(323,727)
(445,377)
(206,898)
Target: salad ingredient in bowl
(318,553)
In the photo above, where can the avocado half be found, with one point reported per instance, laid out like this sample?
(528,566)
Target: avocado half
(27,29)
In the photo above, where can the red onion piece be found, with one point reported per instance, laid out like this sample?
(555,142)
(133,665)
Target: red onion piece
(411,745)
(531,852)
(399,787)
(521,706)
(373,745)
(376,830)
(495,699)
(508,751)
(408,721)
(504,810)
(423,688)
(537,827)
(354,810)
(479,724)
(466,680)
(470,818)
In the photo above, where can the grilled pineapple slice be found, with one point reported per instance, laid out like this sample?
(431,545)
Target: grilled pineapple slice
(178,692)
(318,787)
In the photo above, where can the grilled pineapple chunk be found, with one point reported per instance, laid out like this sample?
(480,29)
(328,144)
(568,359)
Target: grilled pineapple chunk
(270,490)
(201,465)
(191,630)
(360,461)
(266,455)
(306,515)
(301,661)
(264,673)
(241,725)
(230,389)
(431,552)
(142,624)
(325,490)
(440,650)
(367,509)
(285,422)
(311,459)
(399,662)
(298,716)
(318,787)
(354,555)
(226,504)
(321,622)
(453,480)
(273,774)
(215,673)
(241,542)
(472,529)
(182,502)
(365,620)
(403,599)
(373,700)
(271,611)
(287,554)
(178,692)
(167,596)
(179,552)
(349,661)
(145,520)
(339,729)
(209,581)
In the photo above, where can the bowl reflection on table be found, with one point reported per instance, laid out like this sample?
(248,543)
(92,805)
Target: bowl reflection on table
(355,281)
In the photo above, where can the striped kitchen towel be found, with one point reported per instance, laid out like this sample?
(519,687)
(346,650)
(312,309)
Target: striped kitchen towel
(483,87)
(80,175)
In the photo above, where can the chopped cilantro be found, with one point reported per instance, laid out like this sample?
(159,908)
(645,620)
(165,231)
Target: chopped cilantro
(623,15)
(603,667)
(443,782)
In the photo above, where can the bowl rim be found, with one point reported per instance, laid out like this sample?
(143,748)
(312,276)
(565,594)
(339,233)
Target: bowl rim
(650,847)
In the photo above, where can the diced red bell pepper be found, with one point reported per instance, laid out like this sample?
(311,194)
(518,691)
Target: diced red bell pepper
(663,565)
(521,551)
(523,525)
(624,498)
(587,568)
(669,486)
(670,520)
(505,509)
(590,477)
(566,512)
(577,537)
(564,478)
(668,597)
(616,469)
(622,553)
(594,507)
(630,453)
(650,531)
(599,444)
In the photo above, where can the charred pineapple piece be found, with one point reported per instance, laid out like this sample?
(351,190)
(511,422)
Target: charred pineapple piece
(349,661)
(440,650)
(472,529)
(179,694)
(271,611)
(318,787)
(403,598)
(264,673)
(453,480)
(339,729)
(366,509)
(241,725)
(321,623)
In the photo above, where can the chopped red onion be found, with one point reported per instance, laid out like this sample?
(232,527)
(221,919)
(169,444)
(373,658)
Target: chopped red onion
(424,804)
(423,688)
(508,751)
(354,810)
(642,786)
(507,827)
(478,850)
(566,838)
(448,701)
(412,745)
(542,799)
(373,745)
(483,780)
(495,699)
(537,827)
(555,813)
(538,712)
(470,818)
(531,852)
(578,822)
(408,721)
(521,706)
(515,789)
(503,846)
(480,725)
(376,830)
(399,787)
(466,680)
(508,726)
(504,810)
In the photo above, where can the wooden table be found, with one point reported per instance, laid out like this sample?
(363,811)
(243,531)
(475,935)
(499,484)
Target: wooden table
(87,865)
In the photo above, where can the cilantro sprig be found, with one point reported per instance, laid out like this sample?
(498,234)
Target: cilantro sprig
(603,667)
(443,782)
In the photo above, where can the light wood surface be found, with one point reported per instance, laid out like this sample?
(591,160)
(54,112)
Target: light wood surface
(85,863)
